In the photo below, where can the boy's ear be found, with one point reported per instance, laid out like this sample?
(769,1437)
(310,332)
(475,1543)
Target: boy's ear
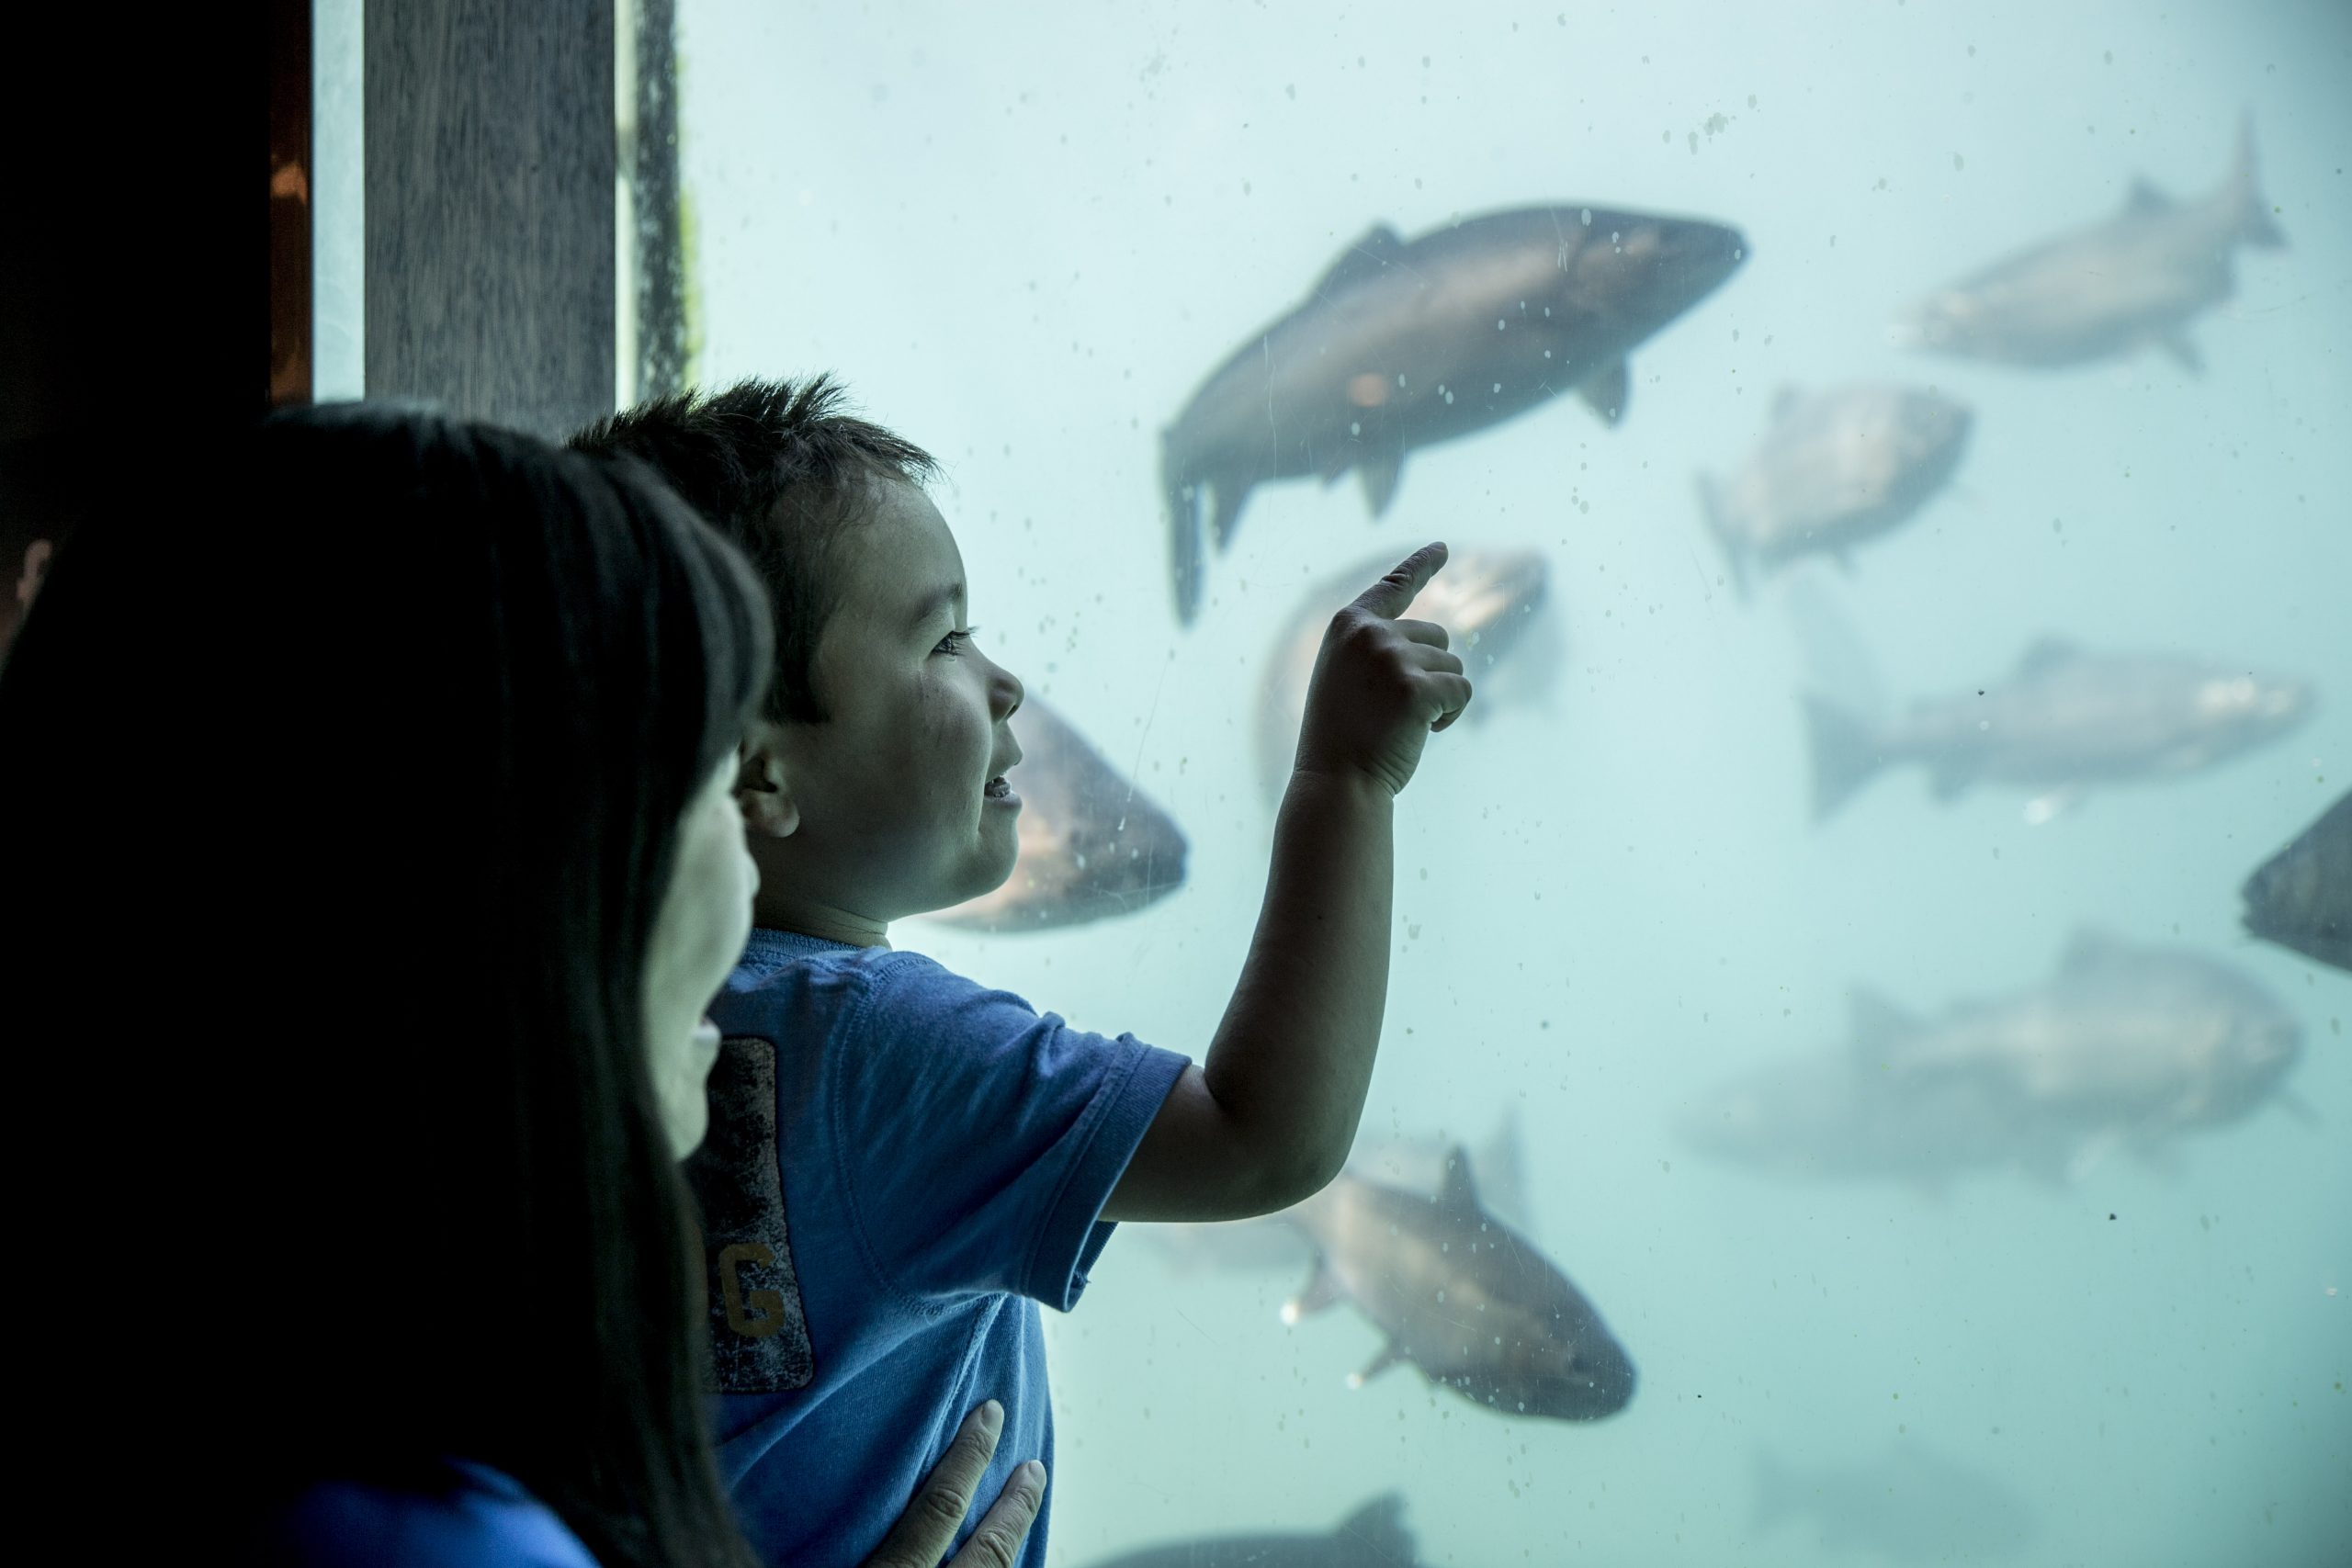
(761,787)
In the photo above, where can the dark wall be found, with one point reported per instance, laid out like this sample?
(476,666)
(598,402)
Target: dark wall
(489,169)
(136,262)
(134,276)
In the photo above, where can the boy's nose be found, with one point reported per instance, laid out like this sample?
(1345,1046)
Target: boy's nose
(1006,692)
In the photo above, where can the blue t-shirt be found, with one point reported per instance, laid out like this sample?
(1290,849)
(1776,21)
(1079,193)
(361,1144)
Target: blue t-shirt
(901,1165)
(482,1519)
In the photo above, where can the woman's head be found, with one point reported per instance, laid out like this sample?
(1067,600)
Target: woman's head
(387,852)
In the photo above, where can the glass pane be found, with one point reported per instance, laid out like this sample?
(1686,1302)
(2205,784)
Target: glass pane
(1825,937)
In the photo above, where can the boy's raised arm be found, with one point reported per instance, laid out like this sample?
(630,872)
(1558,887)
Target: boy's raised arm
(1268,1119)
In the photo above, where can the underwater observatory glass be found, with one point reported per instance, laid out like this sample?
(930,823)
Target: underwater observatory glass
(1846,1095)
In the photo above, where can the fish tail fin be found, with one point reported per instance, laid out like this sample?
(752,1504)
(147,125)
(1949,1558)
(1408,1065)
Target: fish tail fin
(1185,563)
(1845,751)
(1230,497)
(2255,226)
(1735,549)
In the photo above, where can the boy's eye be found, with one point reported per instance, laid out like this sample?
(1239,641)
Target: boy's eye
(953,643)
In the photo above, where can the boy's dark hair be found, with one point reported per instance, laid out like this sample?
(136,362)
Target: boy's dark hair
(778,470)
(343,829)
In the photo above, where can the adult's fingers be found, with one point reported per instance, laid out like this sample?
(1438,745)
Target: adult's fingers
(928,1528)
(1388,597)
(997,1542)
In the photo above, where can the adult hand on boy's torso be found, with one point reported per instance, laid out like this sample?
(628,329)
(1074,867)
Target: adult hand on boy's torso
(928,1528)
(1382,686)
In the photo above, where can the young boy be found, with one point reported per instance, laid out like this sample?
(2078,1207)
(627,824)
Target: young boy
(902,1162)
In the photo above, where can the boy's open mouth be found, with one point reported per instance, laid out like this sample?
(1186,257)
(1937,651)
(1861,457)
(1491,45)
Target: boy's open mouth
(997,789)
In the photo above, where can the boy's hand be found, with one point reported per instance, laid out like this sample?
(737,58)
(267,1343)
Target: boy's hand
(923,1533)
(1382,686)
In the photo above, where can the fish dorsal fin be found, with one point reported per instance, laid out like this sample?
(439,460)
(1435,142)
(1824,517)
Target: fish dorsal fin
(1876,1023)
(1456,1191)
(2047,654)
(1503,1159)
(2091,947)
(1367,257)
(1378,1530)
(2145,198)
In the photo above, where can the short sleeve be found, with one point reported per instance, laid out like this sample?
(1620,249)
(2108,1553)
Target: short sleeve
(979,1139)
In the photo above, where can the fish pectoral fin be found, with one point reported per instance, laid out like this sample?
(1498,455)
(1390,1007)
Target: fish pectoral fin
(1607,392)
(1322,1290)
(2182,351)
(1390,1356)
(1380,475)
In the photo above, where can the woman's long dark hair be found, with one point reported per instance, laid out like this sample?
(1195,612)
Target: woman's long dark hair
(344,759)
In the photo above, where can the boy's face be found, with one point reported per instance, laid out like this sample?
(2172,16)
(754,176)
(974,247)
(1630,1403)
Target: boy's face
(902,802)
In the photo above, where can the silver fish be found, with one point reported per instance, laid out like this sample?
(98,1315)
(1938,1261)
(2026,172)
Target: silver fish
(1273,1242)
(1092,845)
(1407,344)
(1462,1297)
(2139,1041)
(1825,1116)
(1372,1537)
(2136,279)
(2064,721)
(1837,468)
(1913,1505)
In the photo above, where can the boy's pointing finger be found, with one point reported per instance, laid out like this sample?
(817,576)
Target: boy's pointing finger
(1390,597)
